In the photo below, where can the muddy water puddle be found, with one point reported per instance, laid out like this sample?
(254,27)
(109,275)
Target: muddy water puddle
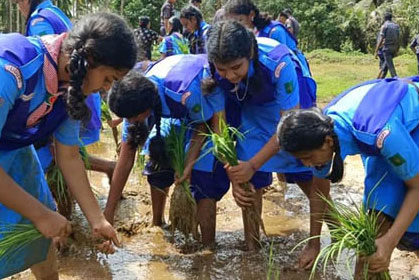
(153,253)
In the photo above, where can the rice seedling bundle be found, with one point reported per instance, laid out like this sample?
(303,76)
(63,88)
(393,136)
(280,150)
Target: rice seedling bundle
(357,231)
(15,238)
(182,214)
(59,190)
(225,151)
(107,116)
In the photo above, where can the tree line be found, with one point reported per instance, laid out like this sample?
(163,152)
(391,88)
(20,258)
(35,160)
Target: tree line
(341,25)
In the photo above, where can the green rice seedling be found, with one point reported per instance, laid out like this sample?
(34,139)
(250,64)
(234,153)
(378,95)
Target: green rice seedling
(182,214)
(273,272)
(59,190)
(357,231)
(15,238)
(107,116)
(225,151)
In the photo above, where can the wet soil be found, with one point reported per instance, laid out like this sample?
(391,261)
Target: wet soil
(152,252)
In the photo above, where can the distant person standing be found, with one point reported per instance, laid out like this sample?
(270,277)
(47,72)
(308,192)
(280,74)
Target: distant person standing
(380,55)
(196,3)
(167,11)
(286,18)
(414,46)
(389,33)
(145,38)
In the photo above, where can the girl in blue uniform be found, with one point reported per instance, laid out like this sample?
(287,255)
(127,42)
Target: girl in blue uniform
(194,24)
(44,18)
(377,120)
(35,74)
(260,83)
(246,12)
(174,43)
(179,98)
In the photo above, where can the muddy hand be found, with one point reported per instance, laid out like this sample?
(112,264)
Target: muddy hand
(186,173)
(103,229)
(243,198)
(240,173)
(380,260)
(51,225)
(308,256)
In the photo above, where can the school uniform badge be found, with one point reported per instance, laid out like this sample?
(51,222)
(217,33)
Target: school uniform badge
(381,137)
(16,74)
(279,68)
(397,160)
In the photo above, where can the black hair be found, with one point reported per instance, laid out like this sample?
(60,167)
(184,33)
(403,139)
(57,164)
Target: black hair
(222,47)
(191,11)
(195,1)
(306,130)
(134,95)
(32,7)
(283,14)
(287,12)
(176,25)
(144,21)
(388,16)
(245,7)
(101,39)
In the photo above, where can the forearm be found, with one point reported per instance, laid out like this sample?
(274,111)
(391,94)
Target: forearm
(75,176)
(268,150)
(318,207)
(196,142)
(405,217)
(120,176)
(14,197)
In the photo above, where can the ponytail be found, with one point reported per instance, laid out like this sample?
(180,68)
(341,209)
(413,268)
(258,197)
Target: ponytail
(157,148)
(338,165)
(76,107)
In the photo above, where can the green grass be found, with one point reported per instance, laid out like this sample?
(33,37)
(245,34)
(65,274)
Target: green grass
(334,72)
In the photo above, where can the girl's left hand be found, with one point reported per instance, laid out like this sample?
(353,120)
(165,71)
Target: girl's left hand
(380,260)
(103,229)
(240,173)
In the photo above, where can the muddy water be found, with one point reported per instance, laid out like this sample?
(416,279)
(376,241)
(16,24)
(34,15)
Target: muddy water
(153,253)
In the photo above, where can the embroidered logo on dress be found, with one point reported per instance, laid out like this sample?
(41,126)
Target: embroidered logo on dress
(289,88)
(184,97)
(381,137)
(196,108)
(1,101)
(279,69)
(16,73)
(397,160)
(27,97)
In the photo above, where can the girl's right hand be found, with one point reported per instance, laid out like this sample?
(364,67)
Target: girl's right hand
(52,225)
(243,198)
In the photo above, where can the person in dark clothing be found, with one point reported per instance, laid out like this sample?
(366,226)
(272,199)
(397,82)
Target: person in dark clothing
(167,11)
(145,38)
(291,23)
(414,46)
(390,33)
(380,54)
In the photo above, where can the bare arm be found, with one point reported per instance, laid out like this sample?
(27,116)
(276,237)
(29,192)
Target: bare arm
(119,179)
(386,244)
(74,172)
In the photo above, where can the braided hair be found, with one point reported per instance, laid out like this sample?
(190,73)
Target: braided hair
(245,7)
(222,47)
(101,39)
(133,95)
(306,130)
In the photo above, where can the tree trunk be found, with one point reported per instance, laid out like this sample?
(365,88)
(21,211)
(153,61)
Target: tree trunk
(122,7)
(10,16)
